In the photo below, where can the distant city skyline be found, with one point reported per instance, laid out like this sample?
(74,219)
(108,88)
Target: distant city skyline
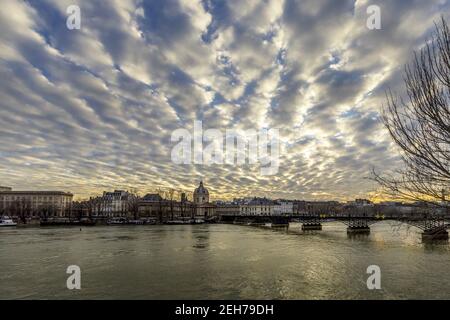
(188,193)
(93,109)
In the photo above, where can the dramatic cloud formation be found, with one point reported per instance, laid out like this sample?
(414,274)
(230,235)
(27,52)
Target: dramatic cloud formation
(94,109)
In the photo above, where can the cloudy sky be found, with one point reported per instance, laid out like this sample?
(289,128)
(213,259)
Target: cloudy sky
(94,109)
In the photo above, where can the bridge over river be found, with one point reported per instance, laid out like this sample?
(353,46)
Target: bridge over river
(433,227)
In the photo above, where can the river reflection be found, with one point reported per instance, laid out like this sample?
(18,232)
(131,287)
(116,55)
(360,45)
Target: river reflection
(221,262)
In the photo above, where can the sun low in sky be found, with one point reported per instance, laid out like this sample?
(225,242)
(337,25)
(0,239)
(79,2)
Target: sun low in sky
(94,108)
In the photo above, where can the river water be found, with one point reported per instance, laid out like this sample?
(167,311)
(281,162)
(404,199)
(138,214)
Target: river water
(221,262)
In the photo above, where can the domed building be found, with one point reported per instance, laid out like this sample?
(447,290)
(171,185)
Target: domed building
(203,208)
(201,194)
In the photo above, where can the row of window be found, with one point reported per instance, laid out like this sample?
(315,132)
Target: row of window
(38,198)
(256,209)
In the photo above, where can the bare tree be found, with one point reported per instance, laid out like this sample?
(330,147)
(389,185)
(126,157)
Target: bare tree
(46,211)
(77,209)
(161,204)
(187,207)
(21,208)
(94,206)
(25,210)
(420,125)
(183,203)
(133,199)
(170,196)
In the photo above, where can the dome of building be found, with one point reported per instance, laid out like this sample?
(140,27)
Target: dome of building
(201,194)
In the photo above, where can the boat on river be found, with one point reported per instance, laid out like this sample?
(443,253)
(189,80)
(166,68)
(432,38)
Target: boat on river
(117,221)
(7,222)
(188,221)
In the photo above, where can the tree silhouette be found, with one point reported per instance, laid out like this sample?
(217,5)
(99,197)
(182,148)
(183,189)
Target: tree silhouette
(420,125)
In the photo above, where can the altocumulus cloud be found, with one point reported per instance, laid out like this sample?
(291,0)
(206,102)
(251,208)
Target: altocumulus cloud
(93,109)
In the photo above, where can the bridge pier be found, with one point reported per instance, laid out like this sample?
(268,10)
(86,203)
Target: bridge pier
(311,226)
(439,233)
(358,230)
(358,226)
(279,221)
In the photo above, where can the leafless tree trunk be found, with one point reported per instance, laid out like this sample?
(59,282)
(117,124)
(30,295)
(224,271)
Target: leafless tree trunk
(22,209)
(46,211)
(171,198)
(133,203)
(161,202)
(420,126)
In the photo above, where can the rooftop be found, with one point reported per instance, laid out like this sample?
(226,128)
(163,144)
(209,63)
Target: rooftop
(152,197)
(260,201)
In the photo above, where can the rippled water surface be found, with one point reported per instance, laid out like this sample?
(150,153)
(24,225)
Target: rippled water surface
(220,262)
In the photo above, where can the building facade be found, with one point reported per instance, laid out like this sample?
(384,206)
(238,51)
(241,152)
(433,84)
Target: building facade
(299,207)
(283,207)
(230,209)
(258,207)
(156,207)
(322,207)
(203,208)
(152,206)
(118,203)
(28,204)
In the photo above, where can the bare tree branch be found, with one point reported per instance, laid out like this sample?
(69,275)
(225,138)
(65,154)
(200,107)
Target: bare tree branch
(420,127)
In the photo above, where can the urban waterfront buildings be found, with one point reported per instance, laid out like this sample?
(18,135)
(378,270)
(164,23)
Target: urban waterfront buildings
(283,207)
(225,208)
(258,207)
(168,208)
(153,205)
(116,204)
(35,203)
(170,205)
